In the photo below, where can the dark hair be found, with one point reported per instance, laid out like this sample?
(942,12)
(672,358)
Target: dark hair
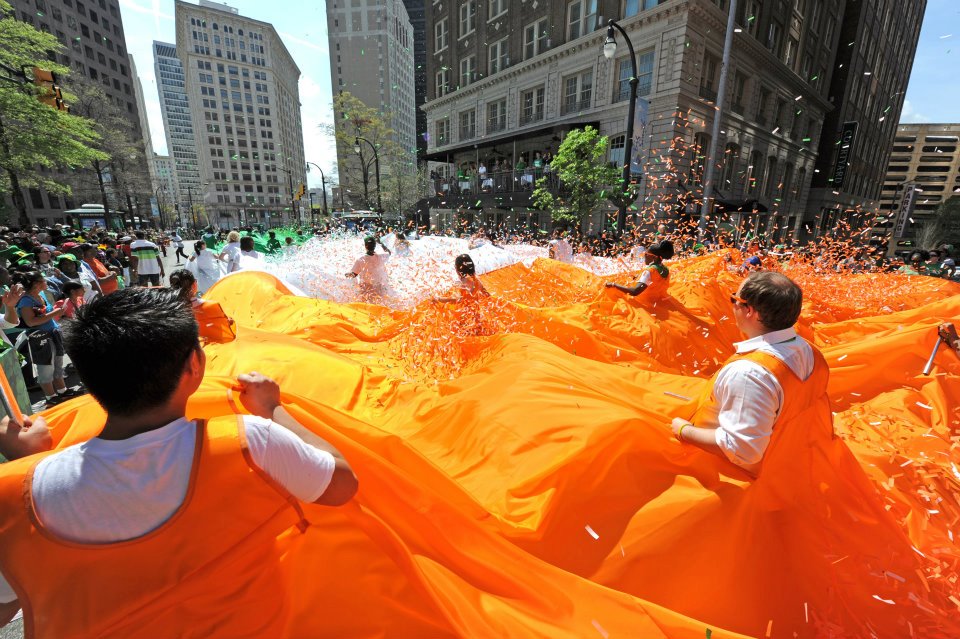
(70,287)
(140,235)
(272,234)
(199,246)
(662,249)
(464,265)
(923,256)
(27,278)
(154,331)
(246,243)
(776,298)
(86,247)
(370,243)
(182,281)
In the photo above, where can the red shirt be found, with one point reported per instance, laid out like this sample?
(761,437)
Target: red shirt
(102,271)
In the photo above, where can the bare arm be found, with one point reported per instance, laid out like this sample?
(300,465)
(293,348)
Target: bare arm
(703,438)
(629,290)
(32,316)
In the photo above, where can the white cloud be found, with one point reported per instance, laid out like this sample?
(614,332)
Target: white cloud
(318,45)
(909,114)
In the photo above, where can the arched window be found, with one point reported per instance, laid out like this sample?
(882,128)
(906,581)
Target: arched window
(730,180)
(770,179)
(755,174)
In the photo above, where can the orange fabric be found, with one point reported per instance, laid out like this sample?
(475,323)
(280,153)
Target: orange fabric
(211,570)
(214,324)
(102,271)
(657,289)
(524,482)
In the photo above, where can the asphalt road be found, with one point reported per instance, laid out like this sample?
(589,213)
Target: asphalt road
(14,630)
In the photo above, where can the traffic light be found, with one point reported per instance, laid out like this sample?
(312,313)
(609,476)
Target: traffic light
(300,192)
(49,89)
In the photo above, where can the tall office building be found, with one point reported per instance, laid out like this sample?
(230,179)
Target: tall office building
(145,128)
(417,13)
(242,94)
(95,48)
(878,41)
(178,127)
(166,191)
(372,57)
(924,172)
(507,81)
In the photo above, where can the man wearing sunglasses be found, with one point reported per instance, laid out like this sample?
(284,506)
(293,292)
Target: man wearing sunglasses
(750,392)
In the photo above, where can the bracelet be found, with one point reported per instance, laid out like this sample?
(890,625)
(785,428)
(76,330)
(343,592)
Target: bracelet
(680,432)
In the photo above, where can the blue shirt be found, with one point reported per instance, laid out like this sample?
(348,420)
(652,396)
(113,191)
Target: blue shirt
(27,301)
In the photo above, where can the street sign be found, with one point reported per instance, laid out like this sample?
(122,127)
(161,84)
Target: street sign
(905,210)
(847,136)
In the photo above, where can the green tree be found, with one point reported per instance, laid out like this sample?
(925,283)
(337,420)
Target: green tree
(585,178)
(404,181)
(34,137)
(357,171)
(119,173)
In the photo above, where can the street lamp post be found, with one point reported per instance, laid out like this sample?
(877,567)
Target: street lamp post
(609,51)
(376,158)
(163,222)
(193,214)
(323,182)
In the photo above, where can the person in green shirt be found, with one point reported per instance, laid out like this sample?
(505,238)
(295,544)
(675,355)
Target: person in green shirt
(915,267)
(273,244)
(210,237)
(933,265)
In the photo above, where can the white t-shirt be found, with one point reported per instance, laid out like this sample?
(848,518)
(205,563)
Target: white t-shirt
(371,270)
(177,240)
(232,251)
(104,491)
(749,397)
(562,250)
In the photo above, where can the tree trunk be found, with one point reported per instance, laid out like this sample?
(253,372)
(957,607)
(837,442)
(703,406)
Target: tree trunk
(17,195)
(107,217)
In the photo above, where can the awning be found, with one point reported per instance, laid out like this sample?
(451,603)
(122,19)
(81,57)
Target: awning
(492,141)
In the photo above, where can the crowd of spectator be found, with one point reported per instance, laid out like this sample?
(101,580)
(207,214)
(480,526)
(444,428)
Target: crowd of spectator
(495,174)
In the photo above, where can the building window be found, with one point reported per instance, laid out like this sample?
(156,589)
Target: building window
(755,173)
(498,57)
(577,92)
(644,76)
(468,70)
(632,7)
(531,103)
(763,104)
(468,124)
(774,37)
(739,92)
(496,8)
(701,142)
(468,17)
(618,144)
(496,116)
(708,77)
(535,40)
(443,82)
(770,189)
(581,18)
(443,131)
(36,198)
(731,157)
(440,36)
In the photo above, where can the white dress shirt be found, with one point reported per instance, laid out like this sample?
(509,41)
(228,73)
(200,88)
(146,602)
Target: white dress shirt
(749,397)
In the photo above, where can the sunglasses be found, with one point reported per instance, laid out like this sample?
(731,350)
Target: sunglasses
(738,300)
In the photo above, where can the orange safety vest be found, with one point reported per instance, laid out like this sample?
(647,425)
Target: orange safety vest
(211,570)
(659,283)
(215,326)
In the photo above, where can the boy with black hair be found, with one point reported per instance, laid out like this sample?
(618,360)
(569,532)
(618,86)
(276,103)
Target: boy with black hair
(370,270)
(141,497)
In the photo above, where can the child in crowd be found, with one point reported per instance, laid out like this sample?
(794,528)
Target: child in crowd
(72,301)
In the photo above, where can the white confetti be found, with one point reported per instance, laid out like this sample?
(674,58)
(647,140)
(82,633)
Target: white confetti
(886,601)
(683,397)
(603,633)
(592,532)
(922,405)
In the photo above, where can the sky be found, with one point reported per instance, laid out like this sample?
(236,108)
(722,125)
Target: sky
(932,96)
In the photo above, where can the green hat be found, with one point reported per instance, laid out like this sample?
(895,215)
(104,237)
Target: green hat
(67,256)
(26,262)
(8,252)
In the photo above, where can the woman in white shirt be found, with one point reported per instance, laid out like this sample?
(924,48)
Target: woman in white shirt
(231,252)
(204,265)
(247,249)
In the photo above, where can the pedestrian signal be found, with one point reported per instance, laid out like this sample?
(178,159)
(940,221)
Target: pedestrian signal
(49,89)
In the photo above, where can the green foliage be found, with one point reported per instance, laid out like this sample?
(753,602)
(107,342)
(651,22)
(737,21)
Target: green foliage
(580,163)
(943,227)
(32,134)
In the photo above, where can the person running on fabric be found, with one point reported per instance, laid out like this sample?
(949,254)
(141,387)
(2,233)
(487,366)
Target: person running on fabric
(655,276)
(559,248)
(370,269)
(738,418)
(247,248)
(214,324)
(231,252)
(469,285)
(193,509)
(206,264)
(145,262)
(273,244)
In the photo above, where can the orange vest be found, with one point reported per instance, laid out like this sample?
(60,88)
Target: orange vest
(215,326)
(211,570)
(657,288)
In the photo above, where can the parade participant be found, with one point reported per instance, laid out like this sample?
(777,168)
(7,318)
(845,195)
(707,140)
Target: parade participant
(933,265)
(655,276)
(205,263)
(949,266)
(10,298)
(214,325)
(559,248)
(916,265)
(273,244)
(178,242)
(67,264)
(737,418)
(231,252)
(401,245)
(289,248)
(146,266)
(470,286)
(106,278)
(39,317)
(247,248)
(370,269)
(948,333)
(150,504)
